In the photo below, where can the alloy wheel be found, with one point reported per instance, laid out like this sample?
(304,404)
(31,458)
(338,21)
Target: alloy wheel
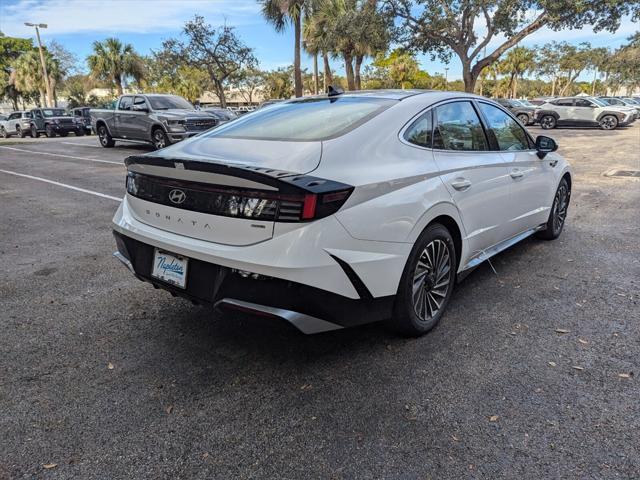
(159,140)
(560,207)
(431,279)
(524,119)
(608,123)
(547,122)
(102,133)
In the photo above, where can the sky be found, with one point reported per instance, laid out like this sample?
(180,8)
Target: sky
(76,24)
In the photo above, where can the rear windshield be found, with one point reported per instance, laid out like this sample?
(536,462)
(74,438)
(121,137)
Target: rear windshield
(304,120)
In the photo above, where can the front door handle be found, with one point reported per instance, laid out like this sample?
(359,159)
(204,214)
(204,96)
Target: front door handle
(461,184)
(515,173)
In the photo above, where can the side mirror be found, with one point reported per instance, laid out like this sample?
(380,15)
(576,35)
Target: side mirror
(138,108)
(545,145)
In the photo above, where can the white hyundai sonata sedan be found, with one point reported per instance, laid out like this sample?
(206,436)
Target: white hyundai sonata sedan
(339,210)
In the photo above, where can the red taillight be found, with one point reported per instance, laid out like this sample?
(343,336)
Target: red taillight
(309,208)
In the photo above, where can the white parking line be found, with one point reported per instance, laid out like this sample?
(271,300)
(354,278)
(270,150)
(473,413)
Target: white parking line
(82,144)
(62,155)
(70,187)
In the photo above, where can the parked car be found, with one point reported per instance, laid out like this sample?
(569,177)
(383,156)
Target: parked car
(222,114)
(334,211)
(158,119)
(622,102)
(583,112)
(17,123)
(82,116)
(524,113)
(540,100)
(52,122)
(3,117)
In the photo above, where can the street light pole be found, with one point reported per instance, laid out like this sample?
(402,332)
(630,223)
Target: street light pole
(446,82)
(45,75)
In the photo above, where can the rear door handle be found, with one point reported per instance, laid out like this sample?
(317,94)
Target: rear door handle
(461,184)
(515,173)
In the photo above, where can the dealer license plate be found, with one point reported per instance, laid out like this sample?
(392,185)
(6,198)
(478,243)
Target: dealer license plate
(170,268)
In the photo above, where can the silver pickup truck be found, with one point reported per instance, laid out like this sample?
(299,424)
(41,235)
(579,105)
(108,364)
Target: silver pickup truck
(158,119)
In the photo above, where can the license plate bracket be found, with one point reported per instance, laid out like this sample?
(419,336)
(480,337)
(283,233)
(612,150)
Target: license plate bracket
(170,268)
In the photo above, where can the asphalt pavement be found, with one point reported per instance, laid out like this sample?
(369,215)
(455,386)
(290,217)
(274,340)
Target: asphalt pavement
(532,373)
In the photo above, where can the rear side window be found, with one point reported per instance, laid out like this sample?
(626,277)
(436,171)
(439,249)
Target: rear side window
(509,135)
(304,120)
(419,133)
(564,102)
(125,103)
(458,128)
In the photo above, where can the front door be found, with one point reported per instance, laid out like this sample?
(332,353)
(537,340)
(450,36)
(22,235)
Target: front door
(531,179)
(476,178)
(583,111)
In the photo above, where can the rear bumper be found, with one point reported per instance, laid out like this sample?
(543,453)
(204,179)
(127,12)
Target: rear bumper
(309,309)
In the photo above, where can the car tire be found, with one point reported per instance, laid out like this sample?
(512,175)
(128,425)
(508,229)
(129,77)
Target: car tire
(609,122)
(34,132)
(558,213)
(49,132)
(80,132)
(21,133)
(3,133)
(64,134)
(548,122)
(159,139)
(428,278)
(524,118)
(106,140)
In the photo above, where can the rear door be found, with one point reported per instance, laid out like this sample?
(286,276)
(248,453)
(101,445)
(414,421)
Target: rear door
(123,117)
(583,111)
(563,107)
(476,178)
(532,179)
(139,124)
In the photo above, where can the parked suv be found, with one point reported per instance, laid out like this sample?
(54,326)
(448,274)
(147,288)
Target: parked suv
(17,123)
(81,115)
(158,119)
(333,211)
(622,102)
(524,113)
(52,122)
(582,111)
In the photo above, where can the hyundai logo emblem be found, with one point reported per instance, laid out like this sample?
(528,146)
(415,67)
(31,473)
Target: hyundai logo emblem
(177,196)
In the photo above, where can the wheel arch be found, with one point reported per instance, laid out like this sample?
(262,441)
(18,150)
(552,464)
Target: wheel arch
(554,114)
(100,123)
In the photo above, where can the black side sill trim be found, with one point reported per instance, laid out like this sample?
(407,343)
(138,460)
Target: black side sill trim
(355,280)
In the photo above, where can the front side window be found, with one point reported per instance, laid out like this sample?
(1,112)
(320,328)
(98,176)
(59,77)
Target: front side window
(458,128)
(419,133)
(139,102)
(311,119)
(13,116)
(581,102)
(509,135)
(167,102)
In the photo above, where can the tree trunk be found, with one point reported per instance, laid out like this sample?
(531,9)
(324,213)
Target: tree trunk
(220,93)
(553,86)
(358,82)
(118,83)
(328,77)
(515,87)
(470,77)
(348,67)
(316,80)
(297,73)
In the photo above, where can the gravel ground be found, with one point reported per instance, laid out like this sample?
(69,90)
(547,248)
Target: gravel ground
(105,378)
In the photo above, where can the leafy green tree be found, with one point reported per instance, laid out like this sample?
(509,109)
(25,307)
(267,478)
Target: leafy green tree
(448,27)
(279,83)
(77,89)
(317,40)
(248,82)
(114,61)
(279,13)
(10,49)
(27,73)
(219,51)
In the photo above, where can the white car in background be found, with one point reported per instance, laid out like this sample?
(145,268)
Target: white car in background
(583,112)
(340,210)
(17,123)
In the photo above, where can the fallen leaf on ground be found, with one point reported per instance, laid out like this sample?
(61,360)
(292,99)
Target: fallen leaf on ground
(553,364)
(110,366)
(562,330)
(455,438)
(169,409)
(577,367)
(625,375)
(584,342)
(306,386)
(49,466)
(493,418)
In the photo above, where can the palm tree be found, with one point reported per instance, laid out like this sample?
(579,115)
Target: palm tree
(279,13)
(27,78)
(317,40)
(515,64)
(114,61)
